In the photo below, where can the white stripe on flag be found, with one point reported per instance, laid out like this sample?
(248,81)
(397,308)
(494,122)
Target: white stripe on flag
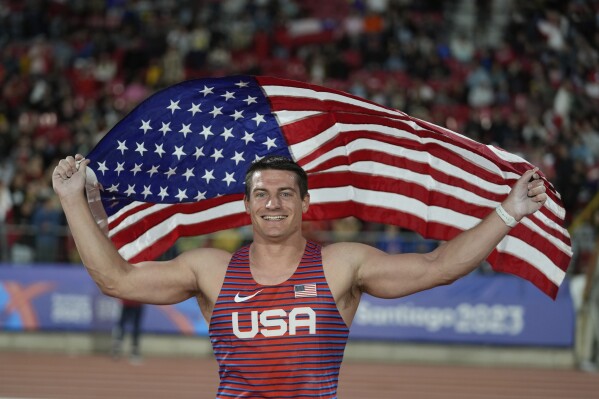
(152,235)
(298,92)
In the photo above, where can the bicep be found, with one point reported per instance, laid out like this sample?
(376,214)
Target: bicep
(393,276)
(173,281)
(159,283)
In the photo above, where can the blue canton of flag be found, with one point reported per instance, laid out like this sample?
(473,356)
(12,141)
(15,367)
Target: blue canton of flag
(193,141)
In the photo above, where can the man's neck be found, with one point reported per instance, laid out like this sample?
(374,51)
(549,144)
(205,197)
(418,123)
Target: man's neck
(272,262)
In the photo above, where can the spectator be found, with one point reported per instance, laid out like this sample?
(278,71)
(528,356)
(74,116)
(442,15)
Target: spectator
(46,221)
(462,48)
(5,209)
(5,202)
(131,316)
(172,66)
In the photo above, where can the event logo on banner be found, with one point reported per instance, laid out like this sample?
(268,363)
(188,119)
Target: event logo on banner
(478,309)
(16,302)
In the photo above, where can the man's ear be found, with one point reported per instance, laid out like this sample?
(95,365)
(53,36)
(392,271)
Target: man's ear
(306,203)
(246,204)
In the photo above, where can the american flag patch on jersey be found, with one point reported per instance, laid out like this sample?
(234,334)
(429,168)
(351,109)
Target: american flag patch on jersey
(304,290)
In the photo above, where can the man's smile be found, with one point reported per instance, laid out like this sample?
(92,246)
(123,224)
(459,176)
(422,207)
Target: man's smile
(274,218)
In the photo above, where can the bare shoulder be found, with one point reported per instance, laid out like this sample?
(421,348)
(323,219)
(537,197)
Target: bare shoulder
(209,266)
(341,263)
(348,253)
(202,260)
(349,258)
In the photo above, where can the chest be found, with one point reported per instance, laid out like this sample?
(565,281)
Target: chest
(246,309)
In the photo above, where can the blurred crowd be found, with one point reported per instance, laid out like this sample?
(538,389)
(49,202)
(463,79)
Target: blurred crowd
(520,75)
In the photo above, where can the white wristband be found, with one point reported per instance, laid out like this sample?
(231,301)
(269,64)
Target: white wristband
(506,217)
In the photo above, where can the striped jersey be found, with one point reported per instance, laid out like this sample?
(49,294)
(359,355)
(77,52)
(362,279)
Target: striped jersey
(277,341)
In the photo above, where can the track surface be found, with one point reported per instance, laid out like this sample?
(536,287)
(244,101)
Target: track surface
(45,376)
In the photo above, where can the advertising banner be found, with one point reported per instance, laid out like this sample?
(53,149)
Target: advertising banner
(64,297)
(478,309)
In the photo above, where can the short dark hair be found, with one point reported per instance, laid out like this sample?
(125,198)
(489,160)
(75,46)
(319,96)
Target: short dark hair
(278,162)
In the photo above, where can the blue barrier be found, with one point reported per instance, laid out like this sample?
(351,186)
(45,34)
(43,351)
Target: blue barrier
(478,309)
(64,298)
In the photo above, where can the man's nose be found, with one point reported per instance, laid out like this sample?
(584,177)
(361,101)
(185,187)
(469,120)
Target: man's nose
(273,202)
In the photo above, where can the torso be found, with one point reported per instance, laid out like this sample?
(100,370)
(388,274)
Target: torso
(338,271)
(281,338)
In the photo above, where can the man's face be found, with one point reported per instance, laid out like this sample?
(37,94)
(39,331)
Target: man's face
(274,204)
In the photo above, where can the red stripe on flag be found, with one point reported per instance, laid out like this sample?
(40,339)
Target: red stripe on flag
(166,241)
(129,212)
(507,263)
(324,106)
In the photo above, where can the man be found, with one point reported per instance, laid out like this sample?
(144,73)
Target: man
(131,315)
(279,310)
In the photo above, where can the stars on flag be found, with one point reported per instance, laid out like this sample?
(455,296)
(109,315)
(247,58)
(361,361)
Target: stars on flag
(145,126)
(195,108)
(189,138)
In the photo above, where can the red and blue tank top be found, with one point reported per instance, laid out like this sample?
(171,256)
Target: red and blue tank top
(277,341)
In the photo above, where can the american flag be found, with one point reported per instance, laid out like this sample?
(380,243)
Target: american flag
(175,167)
(304,290)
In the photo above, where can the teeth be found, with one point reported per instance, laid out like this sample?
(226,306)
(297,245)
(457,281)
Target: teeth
(274,217)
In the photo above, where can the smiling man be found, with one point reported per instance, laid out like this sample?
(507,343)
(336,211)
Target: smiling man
(275,199)
(279,309)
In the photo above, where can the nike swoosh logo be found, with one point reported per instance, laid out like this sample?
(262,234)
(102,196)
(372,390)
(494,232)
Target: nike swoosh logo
(239,299)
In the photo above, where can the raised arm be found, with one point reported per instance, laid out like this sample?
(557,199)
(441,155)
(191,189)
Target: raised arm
(148,282)
(394,276)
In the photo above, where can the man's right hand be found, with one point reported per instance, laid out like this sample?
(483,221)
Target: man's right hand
(68,177)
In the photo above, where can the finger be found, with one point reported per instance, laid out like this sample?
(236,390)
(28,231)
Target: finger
(540,199)
(82,162)
(527,176)
(63,169)
(532,174)
(535,190)
(61,173)
(535,183)
(70,160)
(68,166)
